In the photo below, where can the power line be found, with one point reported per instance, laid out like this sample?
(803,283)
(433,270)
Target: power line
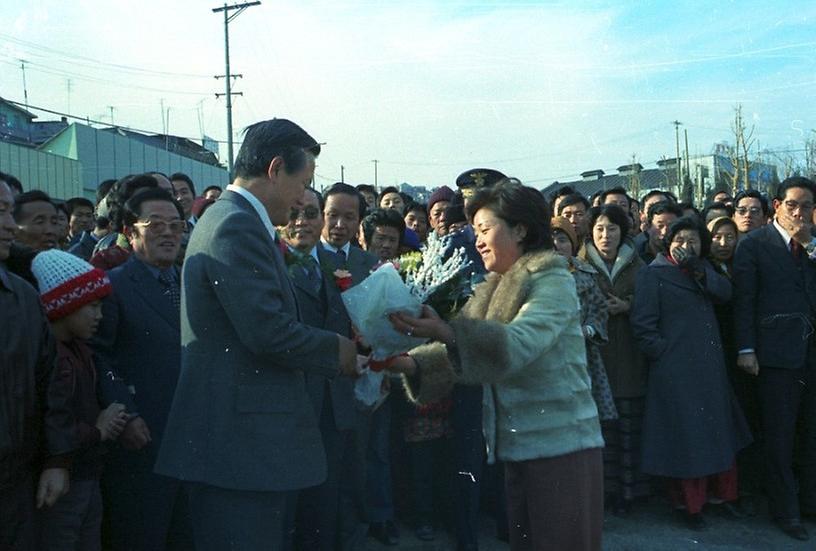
(102,123)
(84,61)
(79,76)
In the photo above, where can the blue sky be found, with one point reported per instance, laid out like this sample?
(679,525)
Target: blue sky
(541,91)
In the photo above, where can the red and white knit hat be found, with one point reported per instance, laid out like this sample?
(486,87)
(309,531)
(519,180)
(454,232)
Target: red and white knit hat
(67,283)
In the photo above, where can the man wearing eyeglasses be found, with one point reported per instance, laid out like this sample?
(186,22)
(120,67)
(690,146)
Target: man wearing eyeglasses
(775,298)
(322,523)
(750,212)
(138,349)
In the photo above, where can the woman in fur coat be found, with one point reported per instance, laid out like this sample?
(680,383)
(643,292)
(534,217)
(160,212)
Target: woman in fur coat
(520,336)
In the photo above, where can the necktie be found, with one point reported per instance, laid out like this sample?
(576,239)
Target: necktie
(171,287)
(313,273)
(796,249)
(340,258)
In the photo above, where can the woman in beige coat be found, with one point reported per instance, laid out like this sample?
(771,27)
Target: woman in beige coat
(520,336)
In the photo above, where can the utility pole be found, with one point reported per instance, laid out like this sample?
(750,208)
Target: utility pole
(111,107)
(376,186)
(25,87)
(227,77)
(342,174)
(68,87)
(677,159)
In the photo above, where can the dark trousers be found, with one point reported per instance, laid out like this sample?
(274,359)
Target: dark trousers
(379,490)
(556,503)
(468,457)
(74,522)
(750,460)
(430,477)
(240,520)
(788,402)
(322,522)
(146,511)
(17,531)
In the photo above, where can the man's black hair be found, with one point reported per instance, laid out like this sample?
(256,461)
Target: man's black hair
(382,218)
(13,182)
(794,182)
(184,178)
(123,190)
(652,192)
(346,189)
(664,207)
(132,209)
(210,188)
(753,194)
(616,191)
(265,140)
(367,188)
(75,202)
(103,189)
(572,199)
(33,196)
(718,206)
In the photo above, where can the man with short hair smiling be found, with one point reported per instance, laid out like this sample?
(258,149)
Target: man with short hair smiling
(320,514)
(242,432)
(30,422)
(81,218)
(141,322)
(185,194)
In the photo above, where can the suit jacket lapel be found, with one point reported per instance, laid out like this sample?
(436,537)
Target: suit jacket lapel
(149,288)
(778,247)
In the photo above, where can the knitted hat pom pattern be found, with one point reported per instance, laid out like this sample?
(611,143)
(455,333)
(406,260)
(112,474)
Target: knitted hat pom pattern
(67,283)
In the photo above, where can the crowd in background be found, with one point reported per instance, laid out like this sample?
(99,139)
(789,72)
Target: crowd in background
(695,329)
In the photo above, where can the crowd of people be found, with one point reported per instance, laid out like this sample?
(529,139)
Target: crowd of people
(178,369)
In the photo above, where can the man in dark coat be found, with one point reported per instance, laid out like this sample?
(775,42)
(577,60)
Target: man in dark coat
(29,416)
(242,431)
(773,314)
(139,356)
(322,522)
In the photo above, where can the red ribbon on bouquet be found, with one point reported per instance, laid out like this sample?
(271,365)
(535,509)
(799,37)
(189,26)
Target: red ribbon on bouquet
(379,365)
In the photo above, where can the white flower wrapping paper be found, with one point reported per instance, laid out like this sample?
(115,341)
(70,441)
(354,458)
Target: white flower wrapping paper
(369,304)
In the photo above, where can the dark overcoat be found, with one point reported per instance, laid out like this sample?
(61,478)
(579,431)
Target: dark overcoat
(693,426)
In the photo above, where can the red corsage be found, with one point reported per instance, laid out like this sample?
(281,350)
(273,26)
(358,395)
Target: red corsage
(343,279)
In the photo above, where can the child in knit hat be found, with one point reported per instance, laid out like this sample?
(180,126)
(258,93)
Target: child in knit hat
(71,291)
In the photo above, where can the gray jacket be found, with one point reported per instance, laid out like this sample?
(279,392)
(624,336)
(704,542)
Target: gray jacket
(241,418)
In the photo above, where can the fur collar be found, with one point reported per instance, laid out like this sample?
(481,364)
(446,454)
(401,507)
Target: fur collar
(626,254)
(501,296)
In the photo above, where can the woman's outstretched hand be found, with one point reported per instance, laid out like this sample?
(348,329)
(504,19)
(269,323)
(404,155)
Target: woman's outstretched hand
(428,326)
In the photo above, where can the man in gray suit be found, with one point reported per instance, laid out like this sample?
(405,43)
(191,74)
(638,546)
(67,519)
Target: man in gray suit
(323,523)
(242,431)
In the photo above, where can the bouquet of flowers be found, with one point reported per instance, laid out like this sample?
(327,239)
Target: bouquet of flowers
(426,277)
(442,283)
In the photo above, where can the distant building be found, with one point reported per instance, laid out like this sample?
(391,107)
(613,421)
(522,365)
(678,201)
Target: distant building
(69,160)
(115,152)
(421,194)
(708,174)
